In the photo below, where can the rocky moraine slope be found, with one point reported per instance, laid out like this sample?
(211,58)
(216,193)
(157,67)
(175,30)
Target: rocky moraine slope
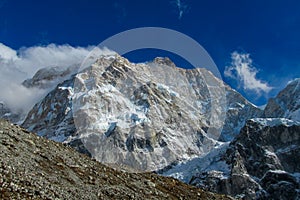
(32,167)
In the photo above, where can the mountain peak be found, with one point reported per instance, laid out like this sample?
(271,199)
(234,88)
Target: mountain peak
(294,81)
(164,61)
(147,115)
(286,104)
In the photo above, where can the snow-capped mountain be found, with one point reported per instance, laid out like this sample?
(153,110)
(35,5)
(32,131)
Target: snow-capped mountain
(183,123)
(287,103)
(146,115)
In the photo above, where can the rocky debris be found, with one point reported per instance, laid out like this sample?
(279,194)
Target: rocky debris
(33,167)
(53,117)
(146,115)
(263,161)
(286,104)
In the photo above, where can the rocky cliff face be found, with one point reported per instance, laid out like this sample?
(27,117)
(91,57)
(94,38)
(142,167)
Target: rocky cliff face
(286,104)
(32,167)
(239,110)
(262,161)
(145,115)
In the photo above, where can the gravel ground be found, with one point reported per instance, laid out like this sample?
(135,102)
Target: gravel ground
(33,167)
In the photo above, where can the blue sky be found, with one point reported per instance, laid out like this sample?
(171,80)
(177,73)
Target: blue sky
(266,32)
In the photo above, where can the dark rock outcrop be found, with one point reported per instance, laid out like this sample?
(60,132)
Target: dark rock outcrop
(263,161)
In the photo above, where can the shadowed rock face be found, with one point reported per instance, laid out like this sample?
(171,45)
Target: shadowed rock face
(263,160)
(143,115)
(33,167)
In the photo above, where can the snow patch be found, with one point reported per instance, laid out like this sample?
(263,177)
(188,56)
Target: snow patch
(271,122)
(270,153)
(164,88)
(211,161)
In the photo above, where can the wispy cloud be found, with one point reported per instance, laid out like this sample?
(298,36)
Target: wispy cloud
(243,71)
(18,65)
(181,7)
(120,10)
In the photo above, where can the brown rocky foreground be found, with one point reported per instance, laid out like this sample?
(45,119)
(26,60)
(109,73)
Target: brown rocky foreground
(33,167)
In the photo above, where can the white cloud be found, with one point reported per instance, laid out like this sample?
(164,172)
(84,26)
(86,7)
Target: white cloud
(181,7)
(17,66)
(244,72)
(37,57)
(6,53)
